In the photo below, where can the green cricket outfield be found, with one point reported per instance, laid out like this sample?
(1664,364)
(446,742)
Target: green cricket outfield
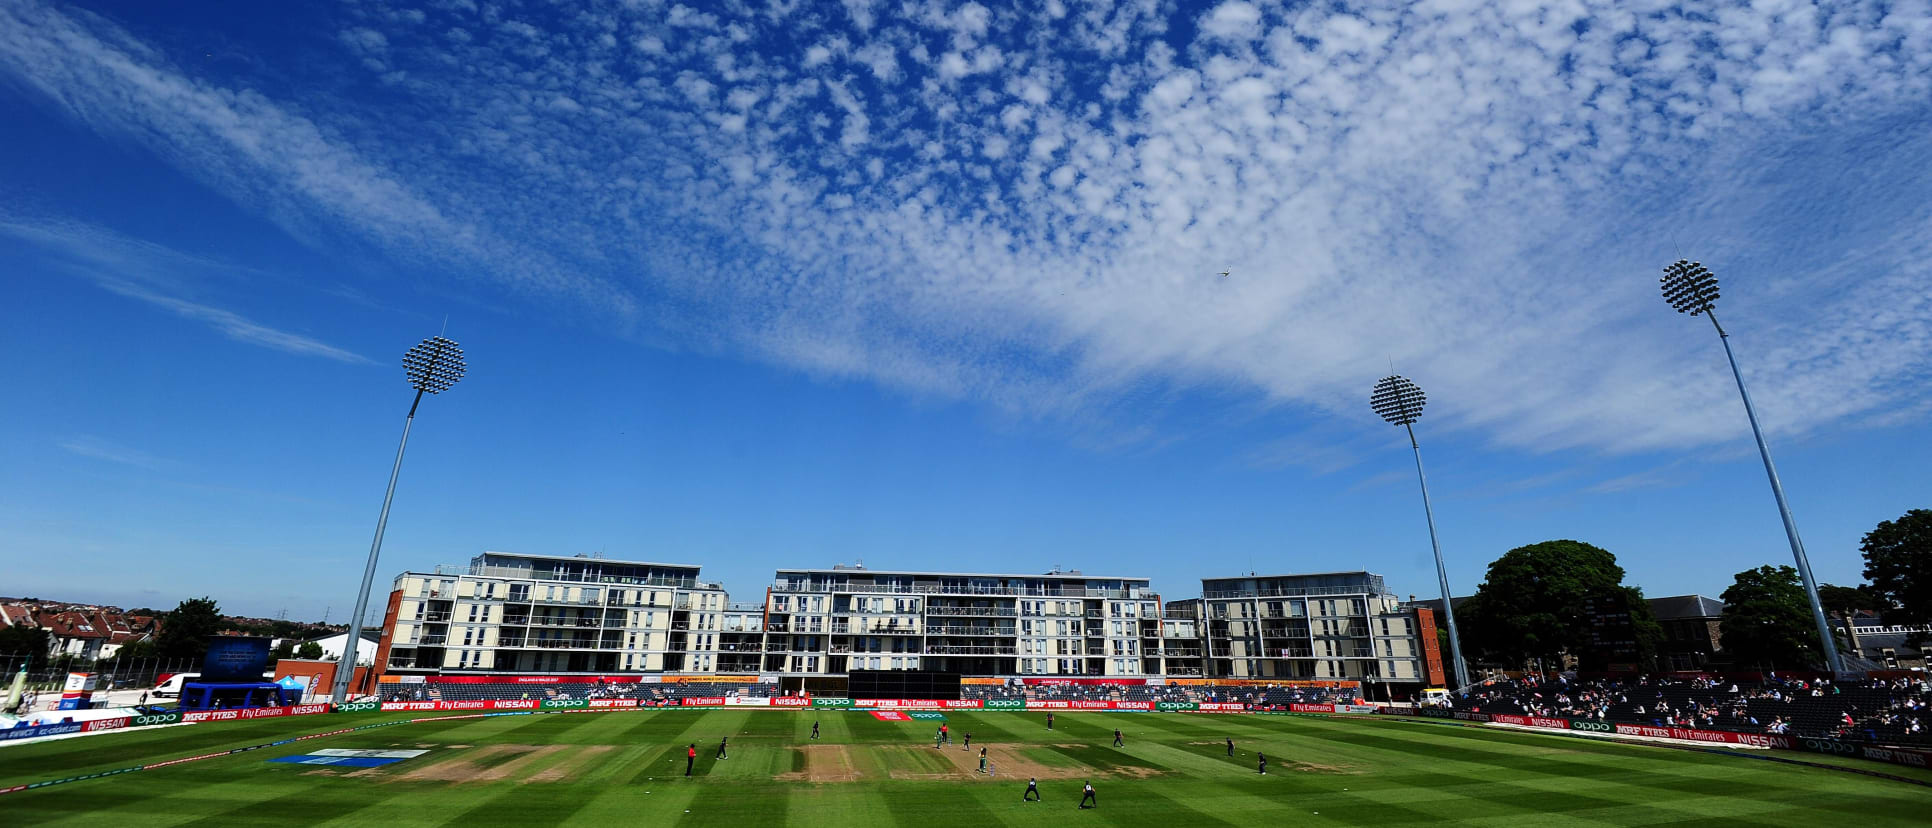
(627,768)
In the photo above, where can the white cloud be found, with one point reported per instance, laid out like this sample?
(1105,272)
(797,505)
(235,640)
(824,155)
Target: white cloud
(90,446)
(1233,20)
(145,271)
(1030,207)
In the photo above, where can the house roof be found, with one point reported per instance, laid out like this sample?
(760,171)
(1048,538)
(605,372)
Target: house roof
(1683,607)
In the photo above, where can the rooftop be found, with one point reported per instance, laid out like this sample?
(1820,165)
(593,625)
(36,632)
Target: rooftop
(1071,574)
(585,558)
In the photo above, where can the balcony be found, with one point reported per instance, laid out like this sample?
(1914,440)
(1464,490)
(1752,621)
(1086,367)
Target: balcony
(565,645)
(431,641)
(985,612)
(988,650)
(934,589)
(432,618)
(571,602)
(516,620)
(551,621)
(989,631)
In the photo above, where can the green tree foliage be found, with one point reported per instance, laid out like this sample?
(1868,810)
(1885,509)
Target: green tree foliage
(1767,620)
(1898,562)
(286,649)
(1532,604)
(185,631)
(31,642)
(1841,598)
(309,650)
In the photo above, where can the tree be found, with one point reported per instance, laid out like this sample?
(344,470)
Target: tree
(1841,598)
(309,650)
(133,650)
(1898,562)
(286,649)
(1767,620)
(185,631)
(28,642)
(1532,604)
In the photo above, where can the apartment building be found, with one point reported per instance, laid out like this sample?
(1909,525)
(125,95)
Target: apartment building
(518,613)
(1056,624)
(1335,625)
(521,613)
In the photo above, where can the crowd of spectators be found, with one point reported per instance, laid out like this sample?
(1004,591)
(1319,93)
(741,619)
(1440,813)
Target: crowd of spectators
(570,691)
(1874,710)
(1266,697)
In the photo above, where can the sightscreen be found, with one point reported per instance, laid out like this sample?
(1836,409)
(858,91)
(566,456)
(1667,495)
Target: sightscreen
(902,684)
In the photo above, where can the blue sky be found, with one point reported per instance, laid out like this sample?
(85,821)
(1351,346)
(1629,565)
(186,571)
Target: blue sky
(936,285)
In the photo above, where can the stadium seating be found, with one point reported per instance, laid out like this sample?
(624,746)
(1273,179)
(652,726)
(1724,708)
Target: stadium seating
(568,690)
(1883,711)
(1260,696)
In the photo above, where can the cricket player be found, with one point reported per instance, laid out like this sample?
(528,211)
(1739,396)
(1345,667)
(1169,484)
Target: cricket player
(946,735)
(1086,796)
(982,760)
(721,747)
(690,758)
(1117,741)
(814,730)
(1032,791)
(969,741)
(1049,720)
(1263,757)
(1230,745)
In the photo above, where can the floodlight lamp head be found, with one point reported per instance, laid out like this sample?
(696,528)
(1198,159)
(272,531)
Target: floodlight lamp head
(1398,400)
(1690,287)
(434,366)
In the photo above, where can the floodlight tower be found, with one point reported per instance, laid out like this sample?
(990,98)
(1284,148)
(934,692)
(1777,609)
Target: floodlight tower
(1400,402)
(1692,288)
(432,367)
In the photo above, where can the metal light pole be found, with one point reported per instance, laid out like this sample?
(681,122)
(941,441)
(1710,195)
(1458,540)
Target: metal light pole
(1400,402)
(1692,288)
(432,367)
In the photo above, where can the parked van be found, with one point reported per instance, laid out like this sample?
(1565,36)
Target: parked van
(1435,697)
(171,687)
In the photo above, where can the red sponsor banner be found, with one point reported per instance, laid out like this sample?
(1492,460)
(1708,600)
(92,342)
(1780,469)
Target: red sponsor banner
(253,713)
(1506,718)
(890,716)
(1070,682)
(701,701)
(791,701)
(621,679)
(1070,704)
(1545,721)
(1288,683)
(962,703)
(106,724)
(1722,737)
(1312,708)
(899,704)
(474,704)
(1896,756)
(596,703)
